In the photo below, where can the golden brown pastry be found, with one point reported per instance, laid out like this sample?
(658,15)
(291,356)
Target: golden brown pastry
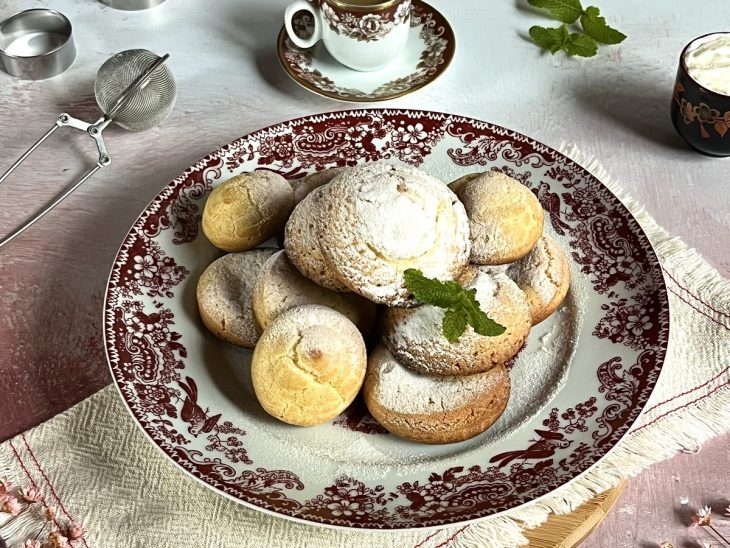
(459,183)
(430,409)
(301,241)
(378,220)
(247,210)
(308,365)
(544,276)
(505,218)
(302,187)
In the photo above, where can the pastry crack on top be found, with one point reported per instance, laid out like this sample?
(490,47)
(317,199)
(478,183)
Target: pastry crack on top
(349,235)
(370,232)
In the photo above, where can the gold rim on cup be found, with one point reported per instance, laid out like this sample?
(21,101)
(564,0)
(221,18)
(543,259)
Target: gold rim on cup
(350,6)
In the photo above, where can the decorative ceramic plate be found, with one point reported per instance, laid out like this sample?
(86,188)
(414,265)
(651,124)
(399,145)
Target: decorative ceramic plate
(429,51)
(577,386)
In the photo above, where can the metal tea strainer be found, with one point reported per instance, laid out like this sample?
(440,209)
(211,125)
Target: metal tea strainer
(135,90)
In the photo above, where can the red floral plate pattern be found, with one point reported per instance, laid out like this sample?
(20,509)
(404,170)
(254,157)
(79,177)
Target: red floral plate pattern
(191,393)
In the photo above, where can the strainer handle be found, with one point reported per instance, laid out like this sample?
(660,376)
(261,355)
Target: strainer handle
(94,130)
(28,152)
(18,231)
(62,120)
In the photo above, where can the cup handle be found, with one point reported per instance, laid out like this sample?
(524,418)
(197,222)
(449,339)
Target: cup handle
(291,10)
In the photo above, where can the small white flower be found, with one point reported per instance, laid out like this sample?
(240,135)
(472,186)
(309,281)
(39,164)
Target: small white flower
(638,322)
(413,133)
(702,518)
(146,266)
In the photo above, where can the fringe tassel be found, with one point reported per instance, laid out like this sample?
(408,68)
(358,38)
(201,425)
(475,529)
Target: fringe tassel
(687,429)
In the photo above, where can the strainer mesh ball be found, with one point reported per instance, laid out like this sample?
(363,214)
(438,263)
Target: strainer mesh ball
(150,104)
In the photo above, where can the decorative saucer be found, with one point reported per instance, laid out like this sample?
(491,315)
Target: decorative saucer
(430,48)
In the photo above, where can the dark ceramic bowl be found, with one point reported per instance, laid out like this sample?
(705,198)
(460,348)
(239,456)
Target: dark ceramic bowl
(701,116)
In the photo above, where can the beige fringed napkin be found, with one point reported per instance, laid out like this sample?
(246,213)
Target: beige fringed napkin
(94,466)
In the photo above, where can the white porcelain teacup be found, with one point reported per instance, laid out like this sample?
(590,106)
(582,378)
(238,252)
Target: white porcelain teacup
(364,35)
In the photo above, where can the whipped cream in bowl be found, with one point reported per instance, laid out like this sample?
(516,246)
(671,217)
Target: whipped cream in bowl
(707,61)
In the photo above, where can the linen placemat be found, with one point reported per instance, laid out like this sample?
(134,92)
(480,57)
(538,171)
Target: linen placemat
(92,466)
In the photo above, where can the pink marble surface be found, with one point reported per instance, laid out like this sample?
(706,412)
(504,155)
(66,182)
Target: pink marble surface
(614,107)
(649,511)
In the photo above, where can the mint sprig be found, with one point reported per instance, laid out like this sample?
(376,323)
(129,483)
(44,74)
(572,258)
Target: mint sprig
(584,43)
(561,38)
(461,304)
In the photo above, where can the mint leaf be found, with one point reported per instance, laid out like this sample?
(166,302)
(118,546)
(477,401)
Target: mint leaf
(566,11)
(480,322)
(483,324)
(426,290)
(564,33)
(454,324)
(596,27)
(548,38)
(581,45)
(462,307)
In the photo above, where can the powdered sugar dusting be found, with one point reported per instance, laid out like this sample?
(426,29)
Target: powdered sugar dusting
(415,336)
(379,220)
(224,293)
(404,391)
(537,376)
(291,323)
(540,270)
(505,218)
(301,241)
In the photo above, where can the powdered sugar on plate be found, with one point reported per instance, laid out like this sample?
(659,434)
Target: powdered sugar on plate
(541,368)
